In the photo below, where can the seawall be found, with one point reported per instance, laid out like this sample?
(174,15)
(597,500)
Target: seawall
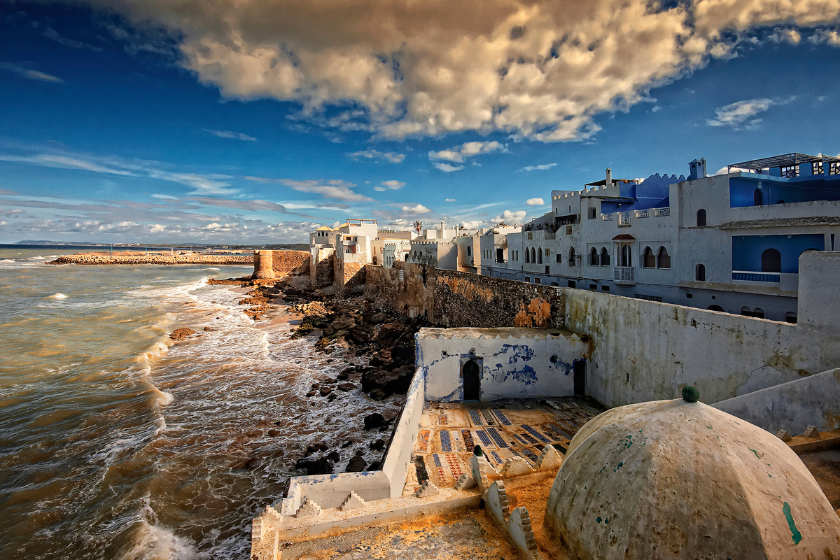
(155,258)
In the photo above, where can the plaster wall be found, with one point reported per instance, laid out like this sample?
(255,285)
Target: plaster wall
(398,458)
(644,351)
(792,406)
(515,362)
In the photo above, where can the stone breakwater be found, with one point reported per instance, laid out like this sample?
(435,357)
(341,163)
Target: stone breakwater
(98,259)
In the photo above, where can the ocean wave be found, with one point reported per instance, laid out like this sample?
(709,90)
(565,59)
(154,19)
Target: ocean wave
(7,261)
(58,295)
(154,542)
(38,258)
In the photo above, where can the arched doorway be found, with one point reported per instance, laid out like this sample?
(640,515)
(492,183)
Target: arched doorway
(472,381)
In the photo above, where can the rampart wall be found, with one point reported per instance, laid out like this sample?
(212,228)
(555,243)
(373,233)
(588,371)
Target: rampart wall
(461,299)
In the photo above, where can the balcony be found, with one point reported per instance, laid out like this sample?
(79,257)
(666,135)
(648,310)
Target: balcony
(755,276)
(624,275)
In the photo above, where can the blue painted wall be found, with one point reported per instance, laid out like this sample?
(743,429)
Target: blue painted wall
(799,189)
(653,192)
(747,249)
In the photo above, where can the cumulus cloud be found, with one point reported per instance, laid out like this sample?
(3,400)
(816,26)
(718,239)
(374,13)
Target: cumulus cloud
(468,149)
(376,155)
(535,69)
(535,202)
(389,185)
(781,35)
(336,189)
(28,73)
(450,200)
(827,36)
(742,114)
(415,210)
(510,217)
(231,135)
(541,167)
(448,168)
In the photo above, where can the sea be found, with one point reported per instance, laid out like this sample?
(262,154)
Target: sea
(117,443)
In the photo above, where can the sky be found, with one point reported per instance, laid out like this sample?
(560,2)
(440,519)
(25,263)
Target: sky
(257,121)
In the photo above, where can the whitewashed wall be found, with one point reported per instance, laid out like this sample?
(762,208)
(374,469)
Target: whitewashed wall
(516,362)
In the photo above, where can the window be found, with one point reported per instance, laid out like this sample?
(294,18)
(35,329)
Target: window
(605,288)
(537,280)
(572,256)
(533,255)
(771,261)
(790,171)
(593,213)
(834,168)
(547,269)
(700,273)
(593,287)
(746,311)
(715,308)
(757,197)
(469,251)
(790,317)
(817,168)
(548,252)
(527,278)
(593,257)
(663,259)
(527,259)
(571,283)
(539,255)
(648,260)
(758,313)
(701,218)
(605,257)
(559,258)
(626,255)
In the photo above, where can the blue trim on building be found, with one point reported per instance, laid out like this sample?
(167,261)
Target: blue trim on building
(747,250)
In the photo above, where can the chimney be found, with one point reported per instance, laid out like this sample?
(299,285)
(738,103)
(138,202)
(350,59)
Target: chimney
(442,230)
(697,169)
(609,177)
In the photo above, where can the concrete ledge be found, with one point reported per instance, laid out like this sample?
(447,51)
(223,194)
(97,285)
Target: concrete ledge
(826,440)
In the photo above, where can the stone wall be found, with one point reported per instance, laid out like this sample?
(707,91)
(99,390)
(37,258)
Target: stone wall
(287,261)
(460,299)
(151,258)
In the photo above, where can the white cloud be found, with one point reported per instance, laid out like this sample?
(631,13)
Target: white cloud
(29,74)
(231,135)
(655,109)
(537,69)
(541,167)
(447,168)
(740,114)
(827,36)
(471,224)
(157,228)
(389,185)
(535,202)
(3,223)
(468,149)
(416,209)
(781,35)
(510,218)
(450,200)
(336,189)
(375,155)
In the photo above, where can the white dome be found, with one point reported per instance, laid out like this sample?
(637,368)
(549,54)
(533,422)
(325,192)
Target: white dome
(674,479)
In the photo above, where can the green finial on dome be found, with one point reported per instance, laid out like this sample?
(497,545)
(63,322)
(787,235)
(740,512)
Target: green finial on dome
(690,394)
(477,451)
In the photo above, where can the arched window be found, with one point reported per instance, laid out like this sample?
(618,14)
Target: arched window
(648,259)
(593,257)
(539,255)
(533,255)
(700,273)
(626,255)
(757,200)
(663,259)
(715,308)
(746,311)
(605,257)
(790,317)
(527,256)
(701,217)
(758,313)
(771,261)
(572,256)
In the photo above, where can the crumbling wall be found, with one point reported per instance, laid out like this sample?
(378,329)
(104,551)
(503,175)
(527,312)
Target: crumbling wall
(460,299)
(323,273)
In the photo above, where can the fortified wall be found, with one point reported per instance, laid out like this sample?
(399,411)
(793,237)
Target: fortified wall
(460,299)
(637,350)
(277,264)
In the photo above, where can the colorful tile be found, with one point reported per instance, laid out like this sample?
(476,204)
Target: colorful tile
(468,440)
(420,468)
(483,437)
(423,441)
(496,457)
(455,465)
(502,418)
(445,442)
(476,418)
(497,438)
(442,420)
(488,416)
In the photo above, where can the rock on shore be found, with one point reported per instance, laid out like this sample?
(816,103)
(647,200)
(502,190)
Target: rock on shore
(153,258)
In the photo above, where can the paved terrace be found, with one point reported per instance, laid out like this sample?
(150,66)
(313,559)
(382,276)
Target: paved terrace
(503,429)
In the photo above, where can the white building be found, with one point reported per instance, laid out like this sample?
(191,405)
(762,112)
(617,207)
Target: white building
(729,242)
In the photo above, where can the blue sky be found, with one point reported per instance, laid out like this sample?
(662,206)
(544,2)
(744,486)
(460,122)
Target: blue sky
(255,122)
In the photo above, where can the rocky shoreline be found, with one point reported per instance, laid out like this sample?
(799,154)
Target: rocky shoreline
(154,258)
(382,343)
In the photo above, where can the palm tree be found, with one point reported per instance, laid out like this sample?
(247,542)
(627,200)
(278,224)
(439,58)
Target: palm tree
(418,225)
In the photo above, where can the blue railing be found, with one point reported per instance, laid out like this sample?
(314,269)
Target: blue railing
(756,277)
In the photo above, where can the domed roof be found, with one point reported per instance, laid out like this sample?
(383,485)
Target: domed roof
(675,479)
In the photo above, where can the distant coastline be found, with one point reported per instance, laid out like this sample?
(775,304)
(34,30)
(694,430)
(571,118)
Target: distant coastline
(151,258)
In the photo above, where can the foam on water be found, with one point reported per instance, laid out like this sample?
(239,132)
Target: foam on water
(58,295)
